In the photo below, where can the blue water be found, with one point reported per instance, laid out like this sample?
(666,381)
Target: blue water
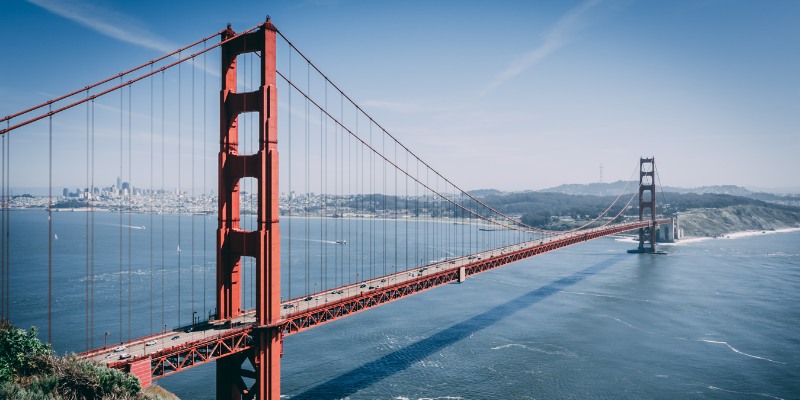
(713,319)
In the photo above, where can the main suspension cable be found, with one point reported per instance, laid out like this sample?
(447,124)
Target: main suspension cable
(357,107)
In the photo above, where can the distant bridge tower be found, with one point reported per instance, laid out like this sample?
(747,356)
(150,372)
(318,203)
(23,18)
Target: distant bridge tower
(647,205)
(262,244)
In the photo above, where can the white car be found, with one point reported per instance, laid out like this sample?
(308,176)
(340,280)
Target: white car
(150,342)
(123,356)
(119,348)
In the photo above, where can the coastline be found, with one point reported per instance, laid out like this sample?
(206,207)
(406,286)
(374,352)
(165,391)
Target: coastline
(727,236)
(735,235)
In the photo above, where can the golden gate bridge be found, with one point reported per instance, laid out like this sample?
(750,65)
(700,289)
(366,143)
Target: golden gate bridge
(347,181)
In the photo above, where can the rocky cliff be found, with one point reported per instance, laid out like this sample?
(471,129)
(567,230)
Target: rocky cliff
(713,222)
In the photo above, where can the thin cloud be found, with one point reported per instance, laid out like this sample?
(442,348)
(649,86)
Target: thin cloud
(558,36)
(110,23)
(106,22)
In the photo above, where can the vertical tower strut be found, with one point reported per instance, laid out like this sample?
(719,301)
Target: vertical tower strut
(262,244)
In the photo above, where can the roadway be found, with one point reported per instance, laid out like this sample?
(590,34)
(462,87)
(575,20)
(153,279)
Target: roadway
(167,341)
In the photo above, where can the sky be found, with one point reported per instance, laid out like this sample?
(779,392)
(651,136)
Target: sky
(509,95)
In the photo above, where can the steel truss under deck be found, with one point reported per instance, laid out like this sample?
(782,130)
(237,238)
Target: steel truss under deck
(239,340)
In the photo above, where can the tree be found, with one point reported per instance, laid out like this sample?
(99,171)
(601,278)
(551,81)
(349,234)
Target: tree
(20,351)
(29,370)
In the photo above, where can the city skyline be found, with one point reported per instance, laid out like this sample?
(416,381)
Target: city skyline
(491,96)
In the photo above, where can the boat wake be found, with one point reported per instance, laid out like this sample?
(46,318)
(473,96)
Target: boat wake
(735,350)
(747,393)
(546,349)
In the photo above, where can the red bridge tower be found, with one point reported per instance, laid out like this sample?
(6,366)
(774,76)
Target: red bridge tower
(647,205)
(262,244)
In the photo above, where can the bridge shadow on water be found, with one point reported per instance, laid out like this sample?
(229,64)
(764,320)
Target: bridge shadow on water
(364,376)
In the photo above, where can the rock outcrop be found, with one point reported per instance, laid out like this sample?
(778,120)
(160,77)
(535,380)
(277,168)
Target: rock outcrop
(714,222)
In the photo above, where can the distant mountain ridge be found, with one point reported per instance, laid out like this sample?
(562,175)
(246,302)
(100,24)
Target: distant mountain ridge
(614,188)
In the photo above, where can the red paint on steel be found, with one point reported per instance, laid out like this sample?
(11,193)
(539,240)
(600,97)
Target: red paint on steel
(141,370)
(233,346)
(647,205)
(263,244)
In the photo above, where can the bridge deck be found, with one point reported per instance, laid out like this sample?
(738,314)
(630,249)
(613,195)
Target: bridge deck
(173,351)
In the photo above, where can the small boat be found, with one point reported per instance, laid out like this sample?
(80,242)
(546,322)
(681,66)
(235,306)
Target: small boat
(179,248)
(341,242)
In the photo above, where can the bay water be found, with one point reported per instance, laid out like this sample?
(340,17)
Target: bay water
(713,319)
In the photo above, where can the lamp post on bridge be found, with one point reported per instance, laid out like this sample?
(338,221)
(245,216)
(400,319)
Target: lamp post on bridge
(105,340)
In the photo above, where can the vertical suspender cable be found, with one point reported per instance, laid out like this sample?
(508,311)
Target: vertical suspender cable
(437,226)
(8,226)
(162,195)
(7,231)
(396,220)
(119,208)
(336,173)
(405,202)
(324,184)
(289,270)
(50,236)
(130,201)
(372,208)
(180,194)
(351,191)
(416,217)
(383,151)
(428,205)
(191,215)
(3,293)
(205,165)
(91,263)
(341,174)
(348,191)
(87,197)
(307,229)
(322,192)
(362,192)
(152,204)
(336,179)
